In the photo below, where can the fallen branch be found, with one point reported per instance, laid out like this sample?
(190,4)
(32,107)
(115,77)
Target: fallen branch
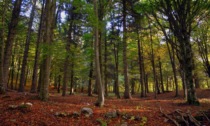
(182,116)
(192,119)
(205,116)
(167,116)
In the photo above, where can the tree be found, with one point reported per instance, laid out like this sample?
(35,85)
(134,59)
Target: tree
(100,101)
(68,44)
(25,56)
(37,52)
(9,44)
(125,67)
(181,16)
(50,7)
(2,43)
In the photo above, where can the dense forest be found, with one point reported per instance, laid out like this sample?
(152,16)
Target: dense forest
(105,48)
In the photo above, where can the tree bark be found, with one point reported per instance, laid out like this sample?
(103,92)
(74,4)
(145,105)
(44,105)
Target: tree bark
(50,11)
(37,53)
(67,58)
(127,94)
(2,43)
(161,75)
(72,78)
(27,44)
(141,65)
(100,101)
(90,79)
(9,43)
(105,67)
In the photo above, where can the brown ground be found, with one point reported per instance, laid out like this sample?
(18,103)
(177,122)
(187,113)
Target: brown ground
(43,113)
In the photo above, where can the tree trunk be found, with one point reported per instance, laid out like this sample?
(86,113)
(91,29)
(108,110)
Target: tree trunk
(90,79)
(2,43)
(49,11)
(12,71)
(188,70)
(141,66)
(27,44)
(10,40)
(105,68)
(116,76)
(100,101)
(67,58)
(146,84)
(172,59)
(59,83)
(17,75)
(153,63)
(37,54)
(116,61)
(72,79)
(127,94)
(132,86)
(161,76)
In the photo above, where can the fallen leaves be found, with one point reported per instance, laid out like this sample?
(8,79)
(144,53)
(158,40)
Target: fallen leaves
(64,111)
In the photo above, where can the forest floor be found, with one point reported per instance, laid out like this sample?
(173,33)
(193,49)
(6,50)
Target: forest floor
(58,111)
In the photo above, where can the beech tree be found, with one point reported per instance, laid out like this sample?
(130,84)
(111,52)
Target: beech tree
(9,43)
(27,43)
(181,16)
(49,12)
(100,101)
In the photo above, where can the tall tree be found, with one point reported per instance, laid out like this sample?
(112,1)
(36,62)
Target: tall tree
(181,16)
(50,7)
(68,44)
(100,101)
(2,43)
(125,67)
(37,52)
(9,43)
(27,43)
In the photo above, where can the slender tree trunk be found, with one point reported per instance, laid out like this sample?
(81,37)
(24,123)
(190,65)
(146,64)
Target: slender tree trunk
(167,83)
(25,55)
(153,64)
(90,74)
(26,76)
(161,75)
(59,83)
(90,79)
(141,66)
(132,86)
(72,79)
(146,84)
(67,58)
(40,79)
(116,81)
(12,71)
(9,43)
(127,94)
(100,101)
(172,59)
(116,61)
(105,68)
(37,54)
